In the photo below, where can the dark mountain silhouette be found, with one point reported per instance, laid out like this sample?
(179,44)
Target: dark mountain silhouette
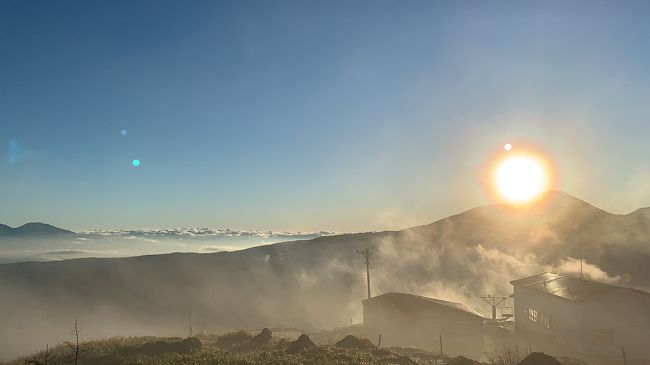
(36,229)
(5,229)
(319,283)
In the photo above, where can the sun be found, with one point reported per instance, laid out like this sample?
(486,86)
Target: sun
(520,179)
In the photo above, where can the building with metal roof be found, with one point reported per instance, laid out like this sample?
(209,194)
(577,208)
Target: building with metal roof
(408,320)
(571,316)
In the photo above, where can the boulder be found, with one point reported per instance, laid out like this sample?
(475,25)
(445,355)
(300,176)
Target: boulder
(351,342)
(302,343)
(260,340)
(462,360)
(539,358)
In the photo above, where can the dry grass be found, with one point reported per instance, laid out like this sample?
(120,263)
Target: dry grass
(107,352)
(509,355)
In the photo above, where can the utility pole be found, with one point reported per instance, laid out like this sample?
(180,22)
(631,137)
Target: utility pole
(582,275)
(581,256)
(494,302)
(189,322)
(366,260)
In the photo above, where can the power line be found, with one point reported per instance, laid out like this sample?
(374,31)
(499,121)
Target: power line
(494,302)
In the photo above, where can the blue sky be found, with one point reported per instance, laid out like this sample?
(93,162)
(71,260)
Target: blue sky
(305,115)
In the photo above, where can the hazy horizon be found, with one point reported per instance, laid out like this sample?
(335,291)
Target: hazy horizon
(252,229)
(98,243)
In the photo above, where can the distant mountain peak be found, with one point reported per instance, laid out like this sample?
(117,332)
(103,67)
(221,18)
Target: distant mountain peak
(559,194)
(33,229)
(556,200)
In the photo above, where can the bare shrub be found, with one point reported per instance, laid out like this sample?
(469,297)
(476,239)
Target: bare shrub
(508,356)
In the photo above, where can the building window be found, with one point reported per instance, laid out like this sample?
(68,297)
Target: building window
(544,320)
(540,318)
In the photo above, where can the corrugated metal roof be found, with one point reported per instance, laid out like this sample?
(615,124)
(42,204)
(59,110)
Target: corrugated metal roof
(535,279)
(567,287)
(406,296)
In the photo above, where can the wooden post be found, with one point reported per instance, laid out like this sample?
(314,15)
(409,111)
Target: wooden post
(366,260)
(379,342)
(441,352)
(189,322)
(624,356)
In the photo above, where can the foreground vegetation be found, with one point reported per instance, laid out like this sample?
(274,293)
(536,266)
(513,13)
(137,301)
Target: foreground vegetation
(264,348)
(120,351)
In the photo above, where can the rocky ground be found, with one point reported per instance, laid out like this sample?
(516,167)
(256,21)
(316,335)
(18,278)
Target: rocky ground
(244,348)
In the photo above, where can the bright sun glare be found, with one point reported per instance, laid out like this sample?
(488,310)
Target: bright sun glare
(520,179)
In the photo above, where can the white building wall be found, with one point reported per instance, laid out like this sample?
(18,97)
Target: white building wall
(594,329)
(616,320)
(547,323)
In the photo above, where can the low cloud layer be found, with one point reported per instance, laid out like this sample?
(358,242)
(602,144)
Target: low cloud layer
(123,243)
(208,232)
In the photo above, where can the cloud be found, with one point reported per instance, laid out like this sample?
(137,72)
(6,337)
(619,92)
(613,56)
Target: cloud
(572,266)
(66,252)
(212,248)
(207,233)
(140,239)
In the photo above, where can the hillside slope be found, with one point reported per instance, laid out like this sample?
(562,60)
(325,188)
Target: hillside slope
(319,283)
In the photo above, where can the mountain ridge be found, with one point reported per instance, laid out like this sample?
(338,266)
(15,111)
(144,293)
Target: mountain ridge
(319,283)
(550,195)
(33,229)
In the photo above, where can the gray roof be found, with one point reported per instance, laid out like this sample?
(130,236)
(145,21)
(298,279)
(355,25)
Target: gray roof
(568,287)
(406,296)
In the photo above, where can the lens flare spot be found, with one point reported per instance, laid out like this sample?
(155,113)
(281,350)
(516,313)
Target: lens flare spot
(124,132)
(136,163)
(507,147)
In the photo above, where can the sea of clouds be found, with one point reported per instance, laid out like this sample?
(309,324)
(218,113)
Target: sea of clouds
(149,241)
